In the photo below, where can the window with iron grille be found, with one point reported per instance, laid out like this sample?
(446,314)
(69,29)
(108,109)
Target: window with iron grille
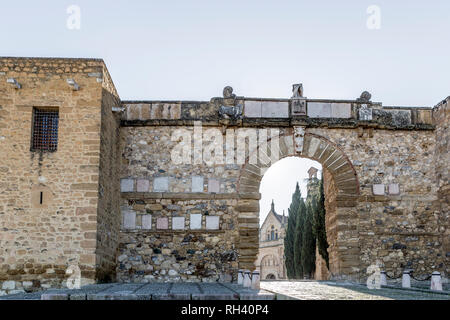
(45,129)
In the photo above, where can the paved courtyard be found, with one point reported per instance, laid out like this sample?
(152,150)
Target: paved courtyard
(270,290)
(149,291)
(327,290)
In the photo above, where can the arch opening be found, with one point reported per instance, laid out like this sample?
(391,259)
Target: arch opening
(341,189)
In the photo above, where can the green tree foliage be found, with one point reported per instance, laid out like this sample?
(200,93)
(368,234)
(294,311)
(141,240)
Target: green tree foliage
(319,224)
(308,250)
(289,240)
(298,243)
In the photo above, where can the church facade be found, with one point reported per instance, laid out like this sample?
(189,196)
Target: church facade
(271,246)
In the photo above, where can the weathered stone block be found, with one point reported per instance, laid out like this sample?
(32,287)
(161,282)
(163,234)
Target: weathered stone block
(212,222)
(252,109)
(274,109)
(126,185)
(319,110)
(129,219)
(341,110)
(197,184)
(161,184)
(177,223)
(213,185)
(394,188)
(195,221)
(147,221)
(54,296)
(378,189)
(9,285)
(162,223)
(142,185)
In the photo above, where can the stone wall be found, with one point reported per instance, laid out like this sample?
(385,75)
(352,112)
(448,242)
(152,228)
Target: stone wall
(380,197)
(39,241)
(180,221)
(330,191)
(441,117)
(397,217)
(108,212)
(321,272)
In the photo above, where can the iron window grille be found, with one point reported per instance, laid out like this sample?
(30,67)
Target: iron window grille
(45,129)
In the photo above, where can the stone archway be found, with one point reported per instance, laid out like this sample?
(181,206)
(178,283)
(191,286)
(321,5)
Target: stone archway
(341,192)
(270,265)
(270,276)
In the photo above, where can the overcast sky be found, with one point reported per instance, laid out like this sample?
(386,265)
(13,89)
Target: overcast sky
(279,181)
(191,49)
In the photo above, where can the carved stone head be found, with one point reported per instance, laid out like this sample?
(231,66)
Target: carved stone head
(365,96)
(228,92)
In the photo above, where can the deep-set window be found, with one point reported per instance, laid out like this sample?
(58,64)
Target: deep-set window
(45,129)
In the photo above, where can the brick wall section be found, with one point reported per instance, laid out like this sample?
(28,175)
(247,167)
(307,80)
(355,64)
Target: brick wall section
(38,242)
(441,117)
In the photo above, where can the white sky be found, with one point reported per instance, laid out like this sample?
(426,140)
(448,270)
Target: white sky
(279,182)
(180,49)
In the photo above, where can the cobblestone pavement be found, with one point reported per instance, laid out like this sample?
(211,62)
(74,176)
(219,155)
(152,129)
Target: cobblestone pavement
(149,291)
(325,290)
(280,290)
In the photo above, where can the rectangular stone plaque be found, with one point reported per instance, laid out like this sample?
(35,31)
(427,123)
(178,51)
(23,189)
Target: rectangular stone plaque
(274,109)
(161,184)
(319,110)
(147,221)
(162,223)
(212,222)
(213,185)
(378,189)
(197,184)
(341,110)
(195,221)
(394,188)
(252,109)
(142,185)
(126,185)
(298,107)
(177,223)
(129,219)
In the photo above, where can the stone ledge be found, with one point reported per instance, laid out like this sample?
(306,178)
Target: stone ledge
(190,195)
(171,231)
(278,122)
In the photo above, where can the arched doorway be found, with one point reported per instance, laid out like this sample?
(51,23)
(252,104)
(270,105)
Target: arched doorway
(270,276)
(341,189)
(270,265)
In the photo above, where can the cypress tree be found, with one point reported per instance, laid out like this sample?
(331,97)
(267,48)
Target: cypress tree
(298,243)
(289,240)
(319,225)
(308,250)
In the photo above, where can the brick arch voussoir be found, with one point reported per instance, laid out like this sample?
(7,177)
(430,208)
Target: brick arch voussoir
(317,148)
